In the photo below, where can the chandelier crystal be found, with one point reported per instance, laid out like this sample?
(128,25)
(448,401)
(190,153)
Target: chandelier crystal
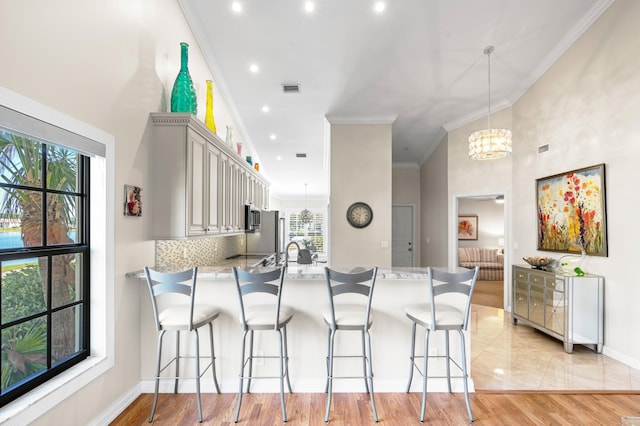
(489,144)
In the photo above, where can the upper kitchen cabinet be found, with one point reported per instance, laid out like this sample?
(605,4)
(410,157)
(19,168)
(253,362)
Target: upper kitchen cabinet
(199,182)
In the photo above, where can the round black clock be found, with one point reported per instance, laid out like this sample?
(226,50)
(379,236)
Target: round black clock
(359,215)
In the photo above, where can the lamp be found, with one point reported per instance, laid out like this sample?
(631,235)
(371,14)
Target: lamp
(489,144)
(305,215)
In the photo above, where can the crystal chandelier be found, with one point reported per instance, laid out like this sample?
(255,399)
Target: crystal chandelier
(489,144)
(305,215)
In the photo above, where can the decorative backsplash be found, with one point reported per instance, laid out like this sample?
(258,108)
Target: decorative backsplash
(183,254)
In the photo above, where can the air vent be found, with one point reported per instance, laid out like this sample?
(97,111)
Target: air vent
(291,88)
(543,148)
(301,155)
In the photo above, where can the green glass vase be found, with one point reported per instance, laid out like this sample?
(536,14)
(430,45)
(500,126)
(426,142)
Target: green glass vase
(183,95)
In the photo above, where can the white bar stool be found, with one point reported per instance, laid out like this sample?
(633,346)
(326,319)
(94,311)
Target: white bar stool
(170,314)
(446,316)
(255,315)
(350,317)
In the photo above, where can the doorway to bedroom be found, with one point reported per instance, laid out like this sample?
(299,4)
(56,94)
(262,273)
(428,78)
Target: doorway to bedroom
(481,242)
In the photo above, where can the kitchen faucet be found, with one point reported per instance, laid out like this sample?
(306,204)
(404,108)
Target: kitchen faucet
(304,255)
(286,252)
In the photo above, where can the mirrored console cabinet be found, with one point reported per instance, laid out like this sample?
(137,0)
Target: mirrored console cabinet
(569,308)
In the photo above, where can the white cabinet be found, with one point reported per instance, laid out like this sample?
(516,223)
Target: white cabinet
(569,308)
(198,184)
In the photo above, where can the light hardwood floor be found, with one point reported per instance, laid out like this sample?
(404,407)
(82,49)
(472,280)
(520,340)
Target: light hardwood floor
(397,409)
(521,376)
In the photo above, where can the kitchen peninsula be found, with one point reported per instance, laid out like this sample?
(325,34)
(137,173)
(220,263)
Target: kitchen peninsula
(305,291)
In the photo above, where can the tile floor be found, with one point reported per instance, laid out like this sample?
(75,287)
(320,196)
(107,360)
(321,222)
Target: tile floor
(508,357)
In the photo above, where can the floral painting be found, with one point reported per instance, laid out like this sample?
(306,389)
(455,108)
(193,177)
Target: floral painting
(467,227)
(572,213)
(132,200)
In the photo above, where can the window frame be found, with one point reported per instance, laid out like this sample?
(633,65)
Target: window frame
(100,146)
(49,251)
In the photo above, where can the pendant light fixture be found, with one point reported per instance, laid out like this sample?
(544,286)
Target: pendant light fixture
(489,144)
(305,215)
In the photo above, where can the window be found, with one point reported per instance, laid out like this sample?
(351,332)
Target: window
(44,260)
(311,233)
(24,116)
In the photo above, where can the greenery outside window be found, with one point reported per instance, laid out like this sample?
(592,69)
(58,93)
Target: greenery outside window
(44,261)
(307,234)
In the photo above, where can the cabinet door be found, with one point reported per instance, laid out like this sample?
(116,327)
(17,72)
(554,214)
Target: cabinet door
(213,189)
(555,309)
(234,196)
(223,193)
(196,184)
(521,299)
(536,304)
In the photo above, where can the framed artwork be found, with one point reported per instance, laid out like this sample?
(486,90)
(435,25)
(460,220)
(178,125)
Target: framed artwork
(571,212)
(468,227)
(132,200)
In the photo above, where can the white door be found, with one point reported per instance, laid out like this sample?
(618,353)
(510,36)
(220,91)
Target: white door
(402,236)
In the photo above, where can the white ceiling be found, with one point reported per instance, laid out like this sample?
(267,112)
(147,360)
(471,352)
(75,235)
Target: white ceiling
(420,62)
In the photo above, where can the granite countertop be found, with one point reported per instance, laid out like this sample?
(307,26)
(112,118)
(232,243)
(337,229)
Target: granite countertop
(223,271)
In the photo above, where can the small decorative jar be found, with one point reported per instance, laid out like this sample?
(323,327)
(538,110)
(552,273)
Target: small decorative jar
(229,137)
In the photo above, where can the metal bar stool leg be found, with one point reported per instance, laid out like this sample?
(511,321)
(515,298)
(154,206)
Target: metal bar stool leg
(213,358)
(250,361)
(369,375)
(242,353)
(286,358)
(412,355)
(329,376)
(425,365)
(464,373)
(157,380)
(175,386)
(326,386)
(448,359)
(198,400)
(364,361)
(282,361)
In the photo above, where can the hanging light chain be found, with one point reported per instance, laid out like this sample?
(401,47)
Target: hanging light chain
(488,51)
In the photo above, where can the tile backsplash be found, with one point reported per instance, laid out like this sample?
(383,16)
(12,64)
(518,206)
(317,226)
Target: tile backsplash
(182,254)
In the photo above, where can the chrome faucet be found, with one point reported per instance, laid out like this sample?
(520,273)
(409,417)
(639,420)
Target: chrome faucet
(286,252)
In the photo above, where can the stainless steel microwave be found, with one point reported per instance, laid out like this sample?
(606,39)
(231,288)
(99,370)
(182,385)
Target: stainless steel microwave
(251,218)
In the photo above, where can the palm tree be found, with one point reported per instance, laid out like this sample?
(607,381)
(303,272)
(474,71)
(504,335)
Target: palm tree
(21,166)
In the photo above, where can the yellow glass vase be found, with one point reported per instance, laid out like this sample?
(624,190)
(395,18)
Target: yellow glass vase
(208,117)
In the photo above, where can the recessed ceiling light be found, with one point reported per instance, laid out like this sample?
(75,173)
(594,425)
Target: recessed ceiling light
(265,108)
(379,7)
(236,6)
(272,136)
(309,6)
(279,158)
(254,68)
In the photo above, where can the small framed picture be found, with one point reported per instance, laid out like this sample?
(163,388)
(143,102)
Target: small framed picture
(132,200)
(468,227)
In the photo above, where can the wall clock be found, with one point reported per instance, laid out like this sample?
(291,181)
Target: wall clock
(359,215)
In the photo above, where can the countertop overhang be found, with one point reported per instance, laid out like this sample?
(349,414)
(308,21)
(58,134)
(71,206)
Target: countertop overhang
(298,272)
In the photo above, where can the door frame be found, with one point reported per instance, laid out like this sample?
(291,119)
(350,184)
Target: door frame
(453,237)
